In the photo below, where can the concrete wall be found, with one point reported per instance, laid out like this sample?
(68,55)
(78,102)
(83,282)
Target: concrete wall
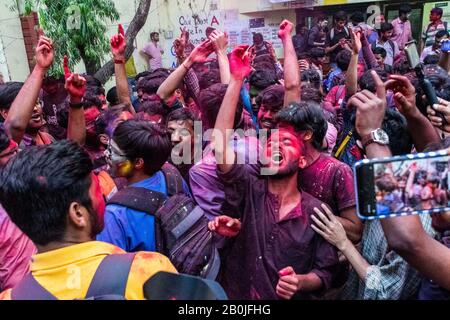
(166,17)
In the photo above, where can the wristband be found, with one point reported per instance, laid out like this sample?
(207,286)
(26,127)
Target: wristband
(76,105)
(119,61)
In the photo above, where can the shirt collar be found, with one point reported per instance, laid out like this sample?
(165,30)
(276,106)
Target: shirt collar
(71,254)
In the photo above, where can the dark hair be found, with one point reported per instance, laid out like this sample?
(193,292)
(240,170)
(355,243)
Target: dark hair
(210,101)
(112,97)
(306,116)
(153,34)
(439,11)
(208,78)
(385,184)
(317,53)
(380,50)
(401,65)
(152,82)
(311,76)
(51,80)
(40,183)
(272,96)
(340,16)
(91,99)
(366,81)
(142,75)
(96,90)
(404,8)
(395,125)
(431,59)
(142,139)
(441,33)
(386,26)
(343,59)
(357,17)
(299,27)
(262,79)
(4,138)
(209,30)
(106,119)
(311,93)
(153,107)
(258,35)
(8,93)
(183,114)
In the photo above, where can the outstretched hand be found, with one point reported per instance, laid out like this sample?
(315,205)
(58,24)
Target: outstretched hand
(119,43)
(225,226)
(45,52)
(404,94)
(240,63)
(201,52)
(329,227)
(356,40)
(75,84)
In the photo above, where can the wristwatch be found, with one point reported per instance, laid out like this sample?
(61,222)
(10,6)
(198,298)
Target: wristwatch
(377,136)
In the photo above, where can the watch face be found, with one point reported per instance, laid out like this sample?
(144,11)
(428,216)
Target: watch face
(381,137)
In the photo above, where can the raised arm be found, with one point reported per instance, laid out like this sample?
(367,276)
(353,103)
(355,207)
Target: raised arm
(420,129)
(220,42)
(368,55)
(22,108)
(199,54)
(351,79)
(291,71)
(240,69)
(75,87)
(118,45)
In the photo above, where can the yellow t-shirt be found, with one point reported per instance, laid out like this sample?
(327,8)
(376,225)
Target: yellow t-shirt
(67,273)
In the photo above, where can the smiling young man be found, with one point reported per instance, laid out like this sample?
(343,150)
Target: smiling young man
(276,254)
(52,195)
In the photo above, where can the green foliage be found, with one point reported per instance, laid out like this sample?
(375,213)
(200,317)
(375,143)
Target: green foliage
(78,29)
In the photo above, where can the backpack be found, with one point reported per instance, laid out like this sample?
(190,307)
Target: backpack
(109,282)
(181,227)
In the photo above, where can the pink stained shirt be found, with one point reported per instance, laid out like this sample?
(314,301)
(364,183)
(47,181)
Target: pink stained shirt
(402,32)
(155,51)
(16,250)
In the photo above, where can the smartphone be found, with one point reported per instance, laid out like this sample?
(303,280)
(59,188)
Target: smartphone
(412,54)
(403,185)
(445,46)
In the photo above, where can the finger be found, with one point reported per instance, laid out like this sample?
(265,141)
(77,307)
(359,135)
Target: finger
(318,222)
(41,32)
(328,212)
(121,31)
(430,111)
(44,48)
(319,231)
(66,67)
(283,294)
(444,102)
(440,108)
(381,90)
(44,42)
(289,287)
(211,226)
(286,271)
(436,121)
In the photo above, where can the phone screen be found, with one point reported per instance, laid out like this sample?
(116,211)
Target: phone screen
(406,185)
(445,47)
(412,54)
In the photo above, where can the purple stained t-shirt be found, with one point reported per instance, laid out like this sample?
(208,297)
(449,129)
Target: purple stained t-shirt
(330,181)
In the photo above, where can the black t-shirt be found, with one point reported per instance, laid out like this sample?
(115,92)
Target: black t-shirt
(337,35)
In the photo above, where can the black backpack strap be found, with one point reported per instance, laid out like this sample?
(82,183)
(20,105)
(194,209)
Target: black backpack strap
(30,289)
(111,276)
(174,180)
(139,199)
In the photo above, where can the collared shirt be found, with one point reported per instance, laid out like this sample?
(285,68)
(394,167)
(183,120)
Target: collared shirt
(155,51)
(300,42)
(402,32)
(330,181)
(16,250)
(266,244)
(389,276)
(130,229)
(428,51)
(67,273)
(429,33)
(42,138)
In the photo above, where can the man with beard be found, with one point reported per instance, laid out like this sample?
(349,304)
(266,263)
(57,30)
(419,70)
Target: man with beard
(52,195)
(276,254)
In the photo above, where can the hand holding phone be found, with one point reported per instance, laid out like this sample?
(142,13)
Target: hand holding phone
(445,45)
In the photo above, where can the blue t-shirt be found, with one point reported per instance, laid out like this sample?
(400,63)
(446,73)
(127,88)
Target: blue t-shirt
(130,229)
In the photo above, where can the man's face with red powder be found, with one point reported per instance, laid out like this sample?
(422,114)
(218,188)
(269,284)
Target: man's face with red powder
(98,205)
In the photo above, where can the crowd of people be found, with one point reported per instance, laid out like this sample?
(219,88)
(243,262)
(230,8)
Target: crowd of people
(262,149)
